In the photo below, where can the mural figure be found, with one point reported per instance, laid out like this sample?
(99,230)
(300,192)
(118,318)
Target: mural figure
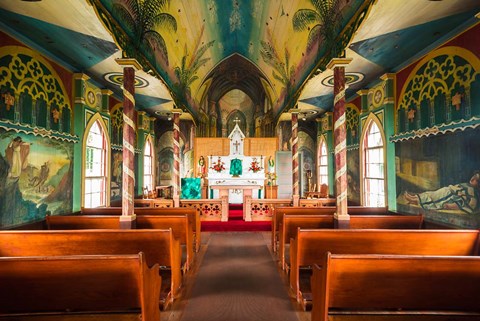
(17,156)
(39,180)
(462,196)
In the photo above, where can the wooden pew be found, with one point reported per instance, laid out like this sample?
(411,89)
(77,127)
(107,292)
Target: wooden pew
(291,222)
(180,224)
(182,230)
(310,245)
(389,287)
(79,287)
(159,246)
(326,210)
(192,214)
(289,226)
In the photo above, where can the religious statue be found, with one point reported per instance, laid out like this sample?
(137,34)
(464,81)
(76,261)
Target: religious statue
(236,167)
(271,164)
(201,171)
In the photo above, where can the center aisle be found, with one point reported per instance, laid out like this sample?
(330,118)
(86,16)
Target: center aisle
(238,281)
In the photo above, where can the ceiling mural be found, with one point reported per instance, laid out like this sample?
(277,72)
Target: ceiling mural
(182,41)
(274,51)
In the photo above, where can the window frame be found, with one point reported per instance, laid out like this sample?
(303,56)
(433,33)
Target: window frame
(320,165)
(379,175)
(103,177)
(151,156)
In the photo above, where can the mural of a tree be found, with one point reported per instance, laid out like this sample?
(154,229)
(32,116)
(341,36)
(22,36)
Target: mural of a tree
(282,71)
(142,18)
(321,22)
(187,72)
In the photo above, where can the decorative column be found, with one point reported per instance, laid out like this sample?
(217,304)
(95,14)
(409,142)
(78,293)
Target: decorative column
(127,220)
(295,180)
(176,157)
(342,219)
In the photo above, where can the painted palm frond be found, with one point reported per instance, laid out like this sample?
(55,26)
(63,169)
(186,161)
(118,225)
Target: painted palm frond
(280,68)
(144,19)
(186,72)
(321,22)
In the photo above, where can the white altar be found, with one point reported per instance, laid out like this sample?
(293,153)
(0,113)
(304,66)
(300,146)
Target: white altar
(236,176)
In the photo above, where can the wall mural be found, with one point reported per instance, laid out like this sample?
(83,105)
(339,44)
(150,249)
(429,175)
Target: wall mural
(36,178)
(438,176)
(353,176)
(116,181)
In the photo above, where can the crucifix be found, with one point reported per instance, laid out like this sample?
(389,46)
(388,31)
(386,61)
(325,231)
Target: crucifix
(236,120)
(236,144)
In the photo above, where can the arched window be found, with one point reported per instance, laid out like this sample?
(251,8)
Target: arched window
(95,188)
(148,165)
(322,163)
(373,162)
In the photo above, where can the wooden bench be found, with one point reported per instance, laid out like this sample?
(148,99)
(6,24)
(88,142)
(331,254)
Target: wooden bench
(291,222)
(389,287)
(326,210)
(192,214)
(309,247)
(93,287)
(180,224)
(289,226)
(159,246)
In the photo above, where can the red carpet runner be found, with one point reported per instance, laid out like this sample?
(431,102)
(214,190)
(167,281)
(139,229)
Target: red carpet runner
(236,222)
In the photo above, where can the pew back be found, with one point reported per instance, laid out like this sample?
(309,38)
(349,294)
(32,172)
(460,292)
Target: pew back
(159,246)
(36,286)
(309,246)
(401,286)
(80,222)
(180,224)
(386,222)
(192,214)
(278,213)
(290,224)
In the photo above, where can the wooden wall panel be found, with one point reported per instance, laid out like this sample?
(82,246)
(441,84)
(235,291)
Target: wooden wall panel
(262,146)
(206,146)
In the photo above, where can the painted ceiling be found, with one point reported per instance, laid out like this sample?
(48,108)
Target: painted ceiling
(201,50)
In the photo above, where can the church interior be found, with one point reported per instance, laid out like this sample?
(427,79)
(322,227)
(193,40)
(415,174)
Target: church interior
(266,120)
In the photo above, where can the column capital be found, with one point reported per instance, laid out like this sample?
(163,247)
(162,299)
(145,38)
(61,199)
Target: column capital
(338,62)
(177,111)
(294,110)
(81,76)
(129,62)
(107,92)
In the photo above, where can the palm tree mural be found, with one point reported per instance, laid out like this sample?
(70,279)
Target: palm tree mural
(143,18)
(187,72)
(282,71)
(325,19)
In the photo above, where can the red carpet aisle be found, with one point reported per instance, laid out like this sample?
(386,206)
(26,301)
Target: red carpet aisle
(236,222)
(238,281)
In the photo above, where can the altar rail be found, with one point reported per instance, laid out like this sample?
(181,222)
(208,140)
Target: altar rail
(262,209)
(209,209)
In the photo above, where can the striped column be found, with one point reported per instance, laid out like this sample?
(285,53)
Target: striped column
(295,178)
(128,171)
(340,139)
(176,156)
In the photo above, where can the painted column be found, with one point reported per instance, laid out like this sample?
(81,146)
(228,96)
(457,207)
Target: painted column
(342,219)
(127,220)
(295,178)
(176,156)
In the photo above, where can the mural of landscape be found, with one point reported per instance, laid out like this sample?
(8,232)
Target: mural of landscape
(36,178)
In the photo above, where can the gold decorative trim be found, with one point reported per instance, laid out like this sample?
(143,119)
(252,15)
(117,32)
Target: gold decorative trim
(129,62)
(338,62)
